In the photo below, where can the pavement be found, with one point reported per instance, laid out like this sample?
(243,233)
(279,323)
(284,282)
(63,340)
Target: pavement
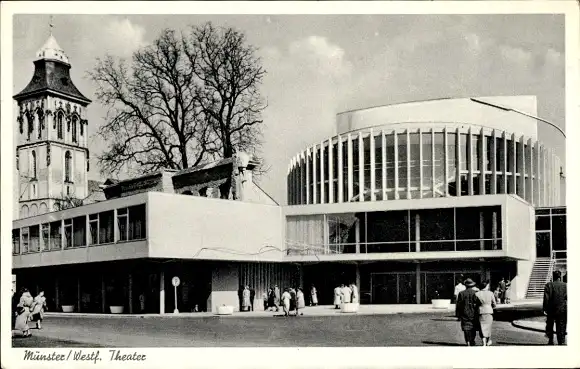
(388,330)
(322,326)
(531,324)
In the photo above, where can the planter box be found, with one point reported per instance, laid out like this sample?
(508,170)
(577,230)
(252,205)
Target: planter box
(441,303)
(349,308)
(68,308)
(116,309)
(225,310)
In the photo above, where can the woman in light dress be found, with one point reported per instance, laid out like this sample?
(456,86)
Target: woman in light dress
(38,307)
(486,302)
(23,310)
(300,303)
(337,297)
(286,301)
(313,296)
(354,290)
(246,299)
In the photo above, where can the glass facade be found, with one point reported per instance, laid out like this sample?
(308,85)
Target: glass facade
(551,232)
(424,163)
(423,230)
(90,229)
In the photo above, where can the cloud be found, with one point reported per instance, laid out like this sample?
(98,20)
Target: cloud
(515,54)
(123,36)
(318,54)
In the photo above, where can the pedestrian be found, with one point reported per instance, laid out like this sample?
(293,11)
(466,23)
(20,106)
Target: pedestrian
(313,296)
(142,302)
(265,299)
(458,288)
(293,300)
(241,297)
(37,310)
(286,301)
(15,301)
(252,297)
(496,294)
(23,311)
(346,294)
(355,296)
(466,312)
(555,308)
(337,297)
(277,297)
(300,301)
(487,303)
(246,299)
(508,284)
(271,298)
(502,290)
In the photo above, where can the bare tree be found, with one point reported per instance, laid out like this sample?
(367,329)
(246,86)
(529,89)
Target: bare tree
(183,101)
(67,202)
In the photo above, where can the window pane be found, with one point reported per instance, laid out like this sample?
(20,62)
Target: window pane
(341,232)
(16,241)
(34,238)
(305,235)
(122,224)
(25,240)
(436,224)
(464,145)
(137,228)
(402,163)
(415,156)
(94,236)
(106,229)
(542,223)
(386,230)
(559,232)
(467,223)
(439,165)
(55,235)
(390,138)
(45,233)
(79,229)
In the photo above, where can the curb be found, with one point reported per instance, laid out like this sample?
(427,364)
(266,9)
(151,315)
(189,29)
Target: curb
(522,324)
(214,315)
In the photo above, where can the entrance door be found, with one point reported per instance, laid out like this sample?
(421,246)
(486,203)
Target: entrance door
(543,248)
(384,288)
(407,288)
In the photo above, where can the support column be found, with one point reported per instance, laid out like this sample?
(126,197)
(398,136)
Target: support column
(103,295)
(340,170)
(418,282)
(130,293)
(162,292)
(56,294)
(357,277)
(79,294)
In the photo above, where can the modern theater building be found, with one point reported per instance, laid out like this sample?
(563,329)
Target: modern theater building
(401,201)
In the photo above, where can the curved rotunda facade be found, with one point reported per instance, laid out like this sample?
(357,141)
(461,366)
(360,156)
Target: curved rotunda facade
(440,148)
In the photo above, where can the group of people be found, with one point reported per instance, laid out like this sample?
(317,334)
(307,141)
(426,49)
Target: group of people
(344,294)
(475,307)
(26,309)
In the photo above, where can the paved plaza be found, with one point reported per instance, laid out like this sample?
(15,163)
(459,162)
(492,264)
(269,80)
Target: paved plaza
(266,330)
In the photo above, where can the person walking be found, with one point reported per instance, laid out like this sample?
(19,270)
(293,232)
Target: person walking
(313,296)
(502,290)
(265,300)
(337,297)
(346,294)
(23,311)
(286,302)
(355,296)
(271,298)
(246,299)
(37,310)
(277,297)
(458,288)
(555,308)
(466,312)
(487,303)
(300,303)
(293,306)
(252,297)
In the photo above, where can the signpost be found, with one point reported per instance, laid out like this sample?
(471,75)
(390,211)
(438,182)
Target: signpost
(175,282)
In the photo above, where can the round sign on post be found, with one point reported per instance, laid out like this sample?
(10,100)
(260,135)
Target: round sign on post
(175,282)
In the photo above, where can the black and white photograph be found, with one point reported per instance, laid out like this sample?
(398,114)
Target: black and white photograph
(301,179)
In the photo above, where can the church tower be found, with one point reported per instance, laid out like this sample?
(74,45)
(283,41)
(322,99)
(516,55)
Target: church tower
(52,155)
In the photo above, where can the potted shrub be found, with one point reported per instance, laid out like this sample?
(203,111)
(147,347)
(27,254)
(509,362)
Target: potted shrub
(116,305)
(439,303)
(67,306)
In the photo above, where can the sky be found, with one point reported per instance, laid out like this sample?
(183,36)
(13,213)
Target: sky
(320,65)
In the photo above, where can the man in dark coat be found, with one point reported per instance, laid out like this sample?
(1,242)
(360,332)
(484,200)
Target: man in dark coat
(502,291)
(555,308)
(466,312)
(252,297)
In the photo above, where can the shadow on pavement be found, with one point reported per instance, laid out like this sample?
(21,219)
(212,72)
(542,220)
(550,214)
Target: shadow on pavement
(509,315)
(442,343)
(519,344)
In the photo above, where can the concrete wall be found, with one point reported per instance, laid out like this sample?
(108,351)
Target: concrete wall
(520,237)
(182,226)
(448,110)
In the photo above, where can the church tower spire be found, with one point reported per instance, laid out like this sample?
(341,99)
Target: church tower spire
(52,147)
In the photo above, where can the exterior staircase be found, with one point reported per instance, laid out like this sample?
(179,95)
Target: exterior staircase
(541,274)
